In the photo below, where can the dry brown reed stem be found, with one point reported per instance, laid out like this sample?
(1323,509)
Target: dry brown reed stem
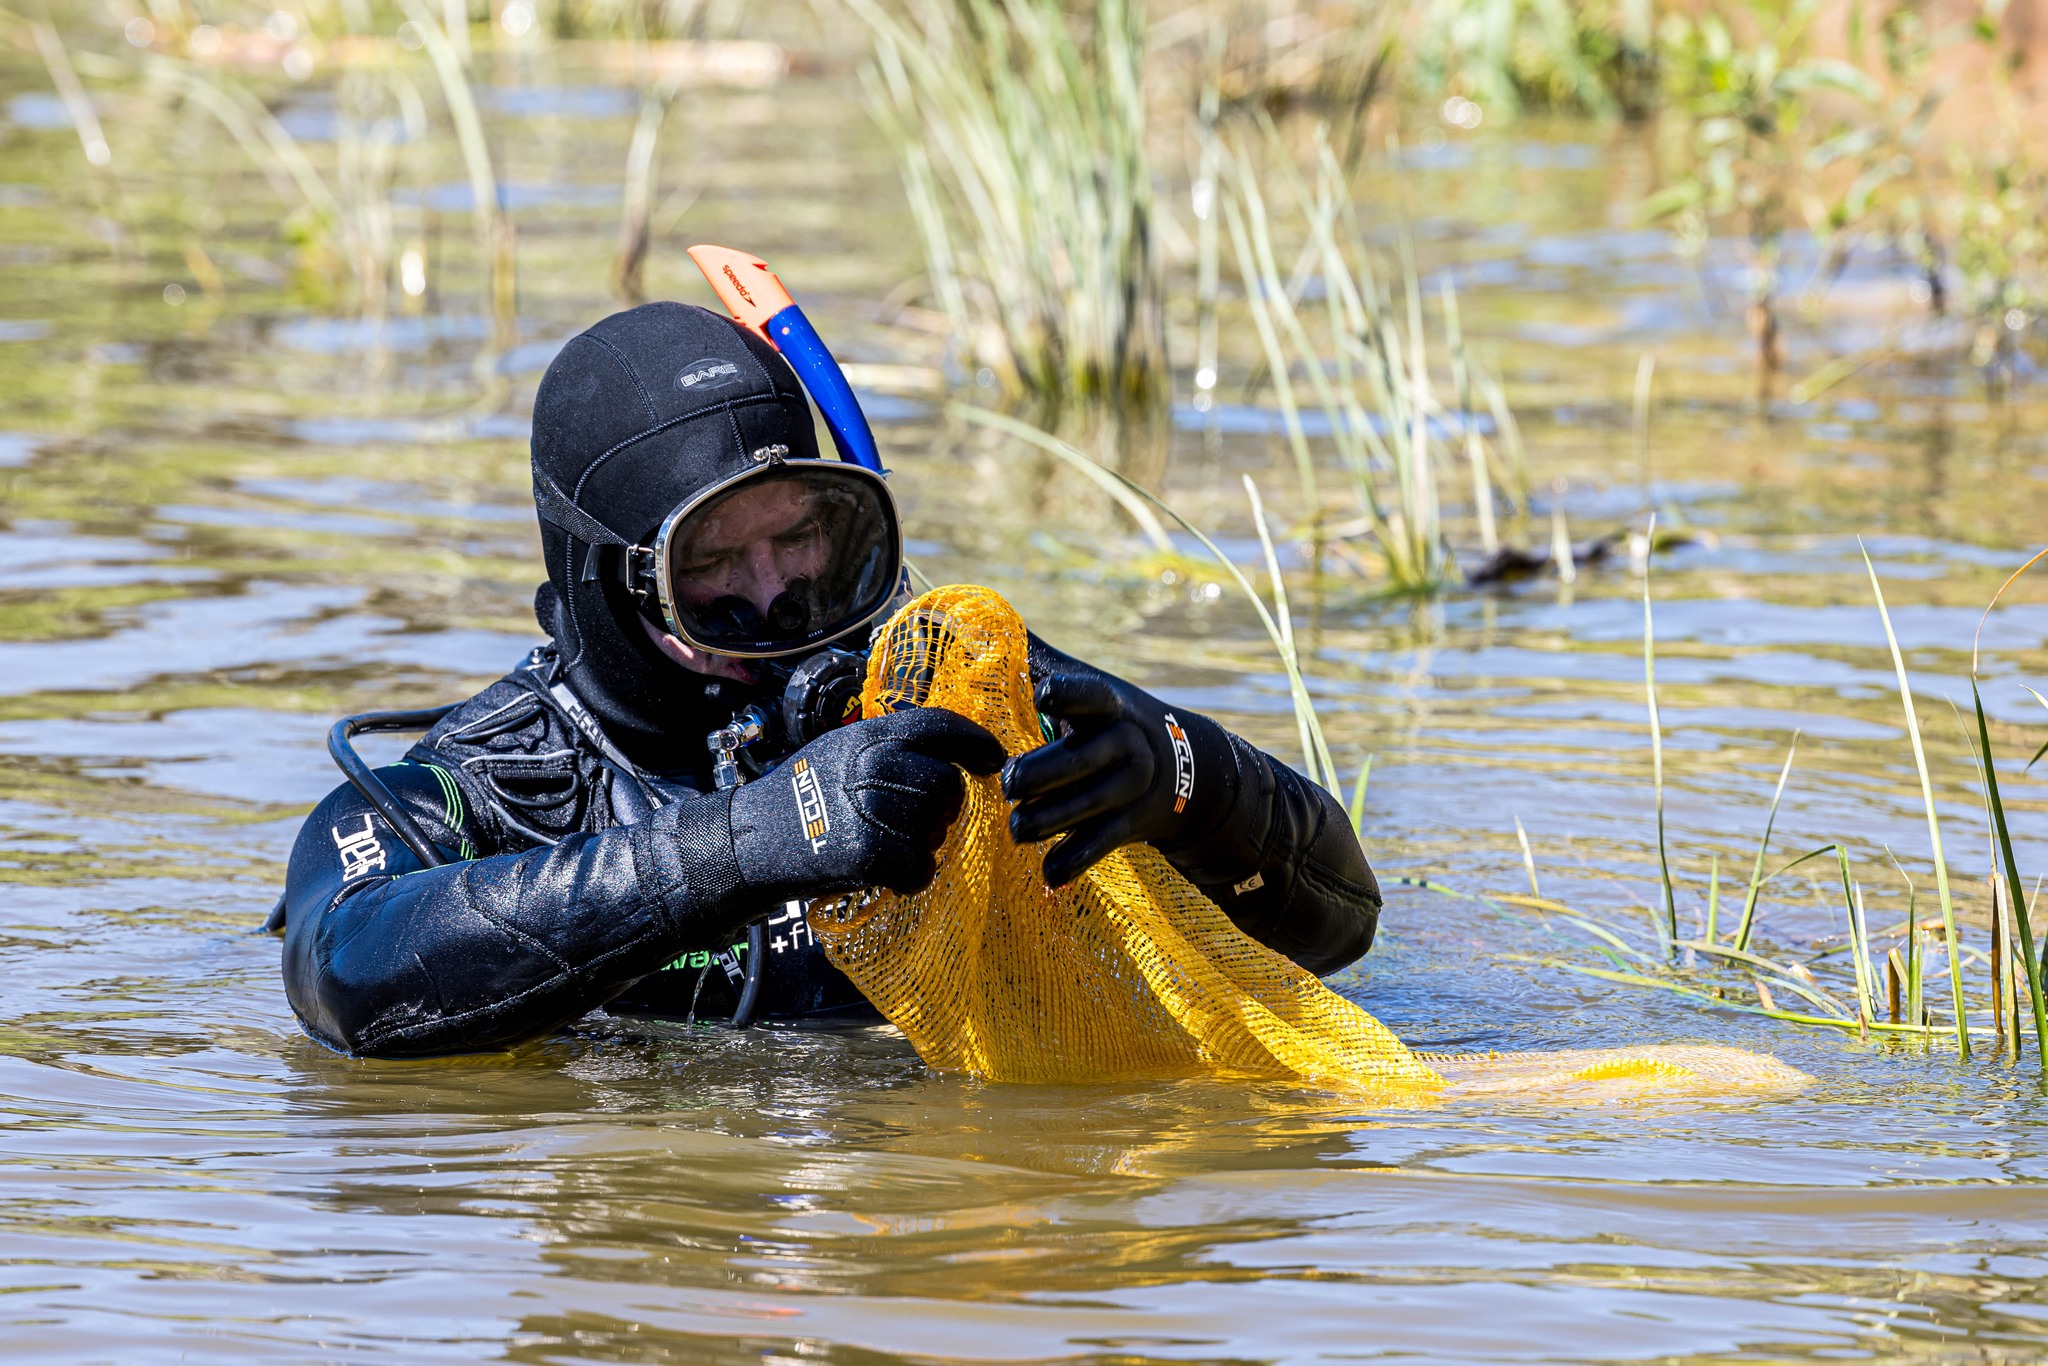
(636,205)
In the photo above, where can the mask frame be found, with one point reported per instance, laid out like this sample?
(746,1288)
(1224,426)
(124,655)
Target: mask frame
(646,575)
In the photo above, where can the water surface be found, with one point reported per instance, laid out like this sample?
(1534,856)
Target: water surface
(226,521)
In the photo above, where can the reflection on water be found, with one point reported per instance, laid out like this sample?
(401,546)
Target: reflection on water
(226,522)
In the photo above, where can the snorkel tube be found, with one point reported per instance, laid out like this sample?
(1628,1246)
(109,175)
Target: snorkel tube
(759,302)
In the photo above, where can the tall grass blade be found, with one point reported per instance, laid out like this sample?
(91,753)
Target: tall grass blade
(1916,975)
(636,206)
(1713,899)
(1461,379)
(1561,557)
(1747,925)
(1859,951)
(1670,928)
(1646,369)
(1304,710)
(448,49)
(1203,195)
(1356,807)
(2015,896)
(1316,758)
(1529,859)
(1264,295)
(1948,913)
(92,138)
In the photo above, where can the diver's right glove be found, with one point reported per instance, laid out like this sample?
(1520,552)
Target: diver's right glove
(1127,769)
(866,805)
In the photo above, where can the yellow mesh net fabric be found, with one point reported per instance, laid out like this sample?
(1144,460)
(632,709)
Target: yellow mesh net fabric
(1129,973)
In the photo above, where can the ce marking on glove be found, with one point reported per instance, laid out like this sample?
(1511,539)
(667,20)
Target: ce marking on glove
(1183,764)
(810,803)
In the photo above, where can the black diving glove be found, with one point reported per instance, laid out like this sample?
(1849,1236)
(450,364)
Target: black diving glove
(866,805)
(1125,770)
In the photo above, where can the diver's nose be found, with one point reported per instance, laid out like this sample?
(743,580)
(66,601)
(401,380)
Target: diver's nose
(764,579)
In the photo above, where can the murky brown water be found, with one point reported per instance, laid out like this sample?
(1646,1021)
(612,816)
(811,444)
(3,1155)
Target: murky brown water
(227,521)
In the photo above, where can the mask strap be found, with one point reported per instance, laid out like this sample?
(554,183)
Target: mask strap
(557,507)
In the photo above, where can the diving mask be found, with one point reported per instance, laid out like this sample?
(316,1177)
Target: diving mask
(779,560)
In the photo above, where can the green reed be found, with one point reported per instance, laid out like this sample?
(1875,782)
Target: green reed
(1948,915)
(1670,925)
(339,208)
(1594,56)
(1022,151)
(1278,620)
(1747,925)
(2004,861)
(1904,966)
(1365,363)
(448,49)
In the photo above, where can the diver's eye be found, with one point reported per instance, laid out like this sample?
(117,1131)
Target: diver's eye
(704,567)
(803,533)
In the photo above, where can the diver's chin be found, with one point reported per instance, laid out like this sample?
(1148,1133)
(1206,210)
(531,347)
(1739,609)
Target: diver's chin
(698,661)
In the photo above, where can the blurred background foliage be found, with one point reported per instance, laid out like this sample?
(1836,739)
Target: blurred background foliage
(1035,137)
(1118,207)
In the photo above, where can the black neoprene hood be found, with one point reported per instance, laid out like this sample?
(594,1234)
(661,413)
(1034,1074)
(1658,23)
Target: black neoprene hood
(636,416)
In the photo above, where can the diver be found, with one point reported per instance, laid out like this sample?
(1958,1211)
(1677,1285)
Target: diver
(583,833)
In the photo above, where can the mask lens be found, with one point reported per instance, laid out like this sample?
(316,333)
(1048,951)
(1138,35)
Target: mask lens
(781,562)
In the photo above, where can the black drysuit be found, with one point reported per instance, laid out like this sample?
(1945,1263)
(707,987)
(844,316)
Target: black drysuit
(591,863)
(581,881)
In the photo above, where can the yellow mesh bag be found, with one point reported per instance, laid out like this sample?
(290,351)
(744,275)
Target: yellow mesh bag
(1129,972)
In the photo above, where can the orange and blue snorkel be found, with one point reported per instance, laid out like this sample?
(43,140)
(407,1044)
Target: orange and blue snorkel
(760,303)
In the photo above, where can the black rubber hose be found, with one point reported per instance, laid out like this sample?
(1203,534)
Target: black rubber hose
(744,1013)
(371,786)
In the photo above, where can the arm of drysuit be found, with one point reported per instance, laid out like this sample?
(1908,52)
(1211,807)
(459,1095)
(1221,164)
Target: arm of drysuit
(1271,848)
(383,956)
(1286,867)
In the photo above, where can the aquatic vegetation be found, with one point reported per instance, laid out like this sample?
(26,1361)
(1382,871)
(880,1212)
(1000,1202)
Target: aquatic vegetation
(341,210)
(1022,150)
(1752,130)
(1332,56)
(1278,621)
(1595,56)
(1948,915)
(1968,215)
(2014,961)
(1368,373)
(1669,925)
(448,49)
(657,94)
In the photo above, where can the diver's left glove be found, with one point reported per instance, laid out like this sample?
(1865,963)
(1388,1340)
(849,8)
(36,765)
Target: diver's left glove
(866,805)
(1127,769)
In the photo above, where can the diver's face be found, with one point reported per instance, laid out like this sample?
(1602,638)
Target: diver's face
(775,565)
(753,545)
